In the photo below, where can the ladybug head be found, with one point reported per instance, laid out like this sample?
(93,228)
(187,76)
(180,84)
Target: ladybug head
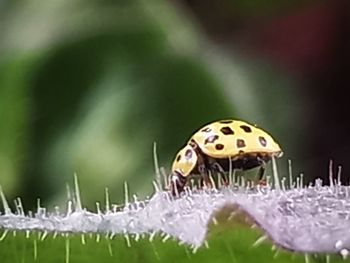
(184,164)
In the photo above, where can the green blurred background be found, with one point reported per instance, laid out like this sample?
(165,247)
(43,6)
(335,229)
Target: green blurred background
(89,86)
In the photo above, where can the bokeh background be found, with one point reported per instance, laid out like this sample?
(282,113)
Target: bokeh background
(89,86)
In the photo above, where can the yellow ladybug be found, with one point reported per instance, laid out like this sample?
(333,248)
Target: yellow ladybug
(216,144)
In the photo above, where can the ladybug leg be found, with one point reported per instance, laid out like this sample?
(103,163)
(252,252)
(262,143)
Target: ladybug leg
(224,179)
(261,172)
(217,167)
(205,179)
(204,173)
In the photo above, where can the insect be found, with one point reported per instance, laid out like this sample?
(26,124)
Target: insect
(219,146)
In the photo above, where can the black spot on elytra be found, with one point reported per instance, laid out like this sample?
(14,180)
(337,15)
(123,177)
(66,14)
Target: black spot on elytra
(262,141)
(193,144)
(178,158)
(226,130)
(219,146)
(246,128)
(188,154)
(207,129)
(240,152)
(240,143)
(228,121)
(211,139)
